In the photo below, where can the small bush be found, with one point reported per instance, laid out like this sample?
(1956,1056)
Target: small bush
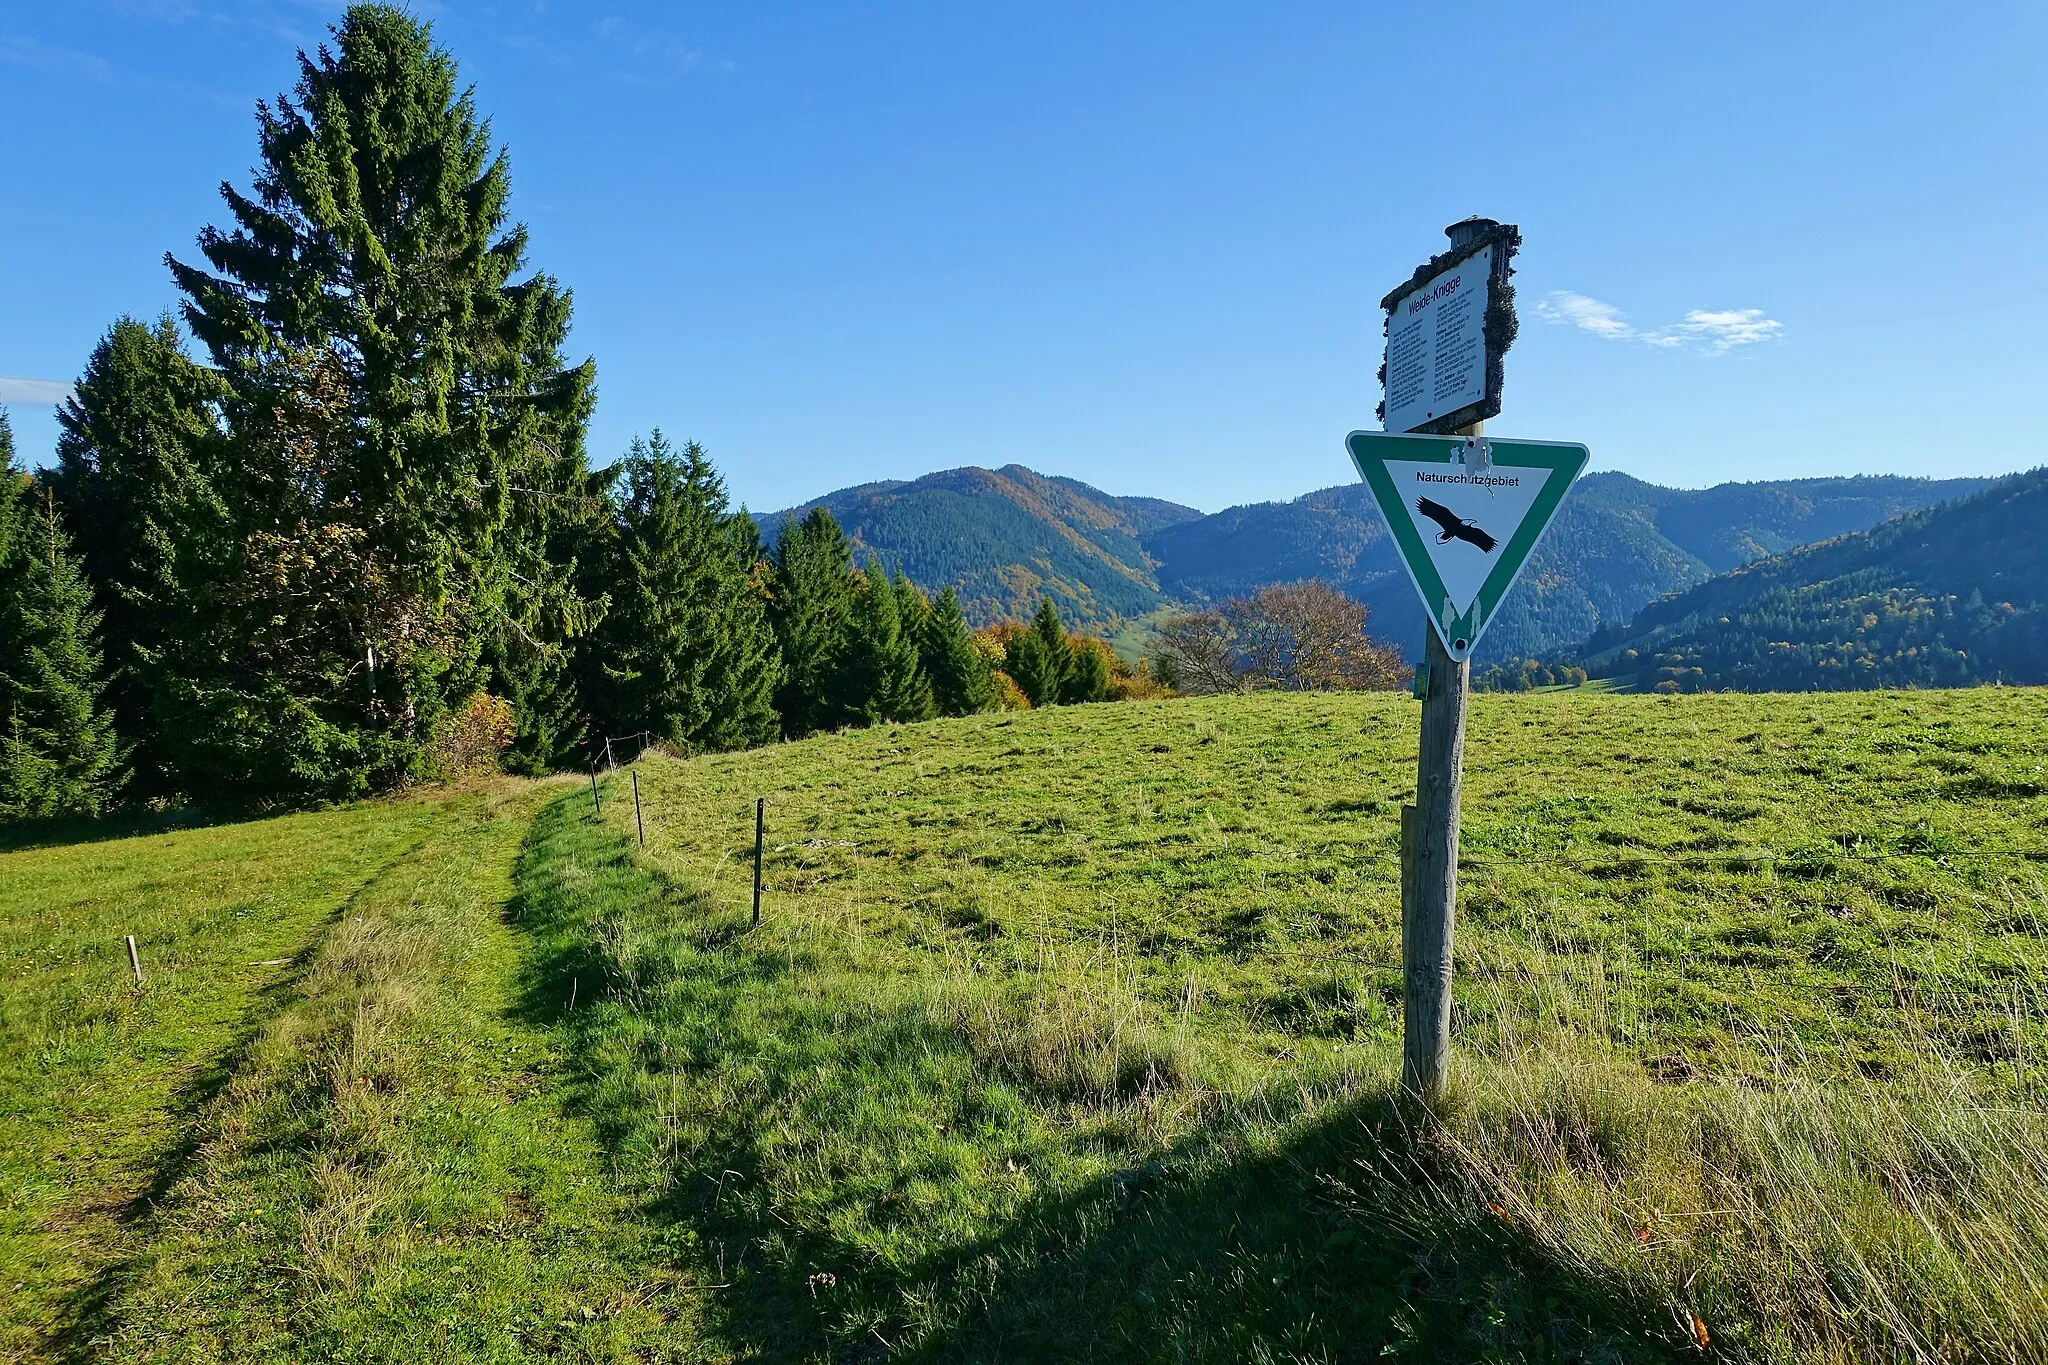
(473,737)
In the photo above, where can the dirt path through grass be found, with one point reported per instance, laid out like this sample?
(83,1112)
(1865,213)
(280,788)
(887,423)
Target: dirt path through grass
(101,1079)
(390,1173)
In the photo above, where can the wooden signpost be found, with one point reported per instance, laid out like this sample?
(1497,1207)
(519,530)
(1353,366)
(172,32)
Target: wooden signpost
(1465,513)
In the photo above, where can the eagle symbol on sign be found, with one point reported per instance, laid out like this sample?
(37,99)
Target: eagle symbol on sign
(1453,526)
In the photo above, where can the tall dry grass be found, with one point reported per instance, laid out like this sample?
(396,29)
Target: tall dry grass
(1786,1217)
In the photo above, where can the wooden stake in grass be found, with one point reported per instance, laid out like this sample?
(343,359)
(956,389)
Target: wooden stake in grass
(636,807)
(760,826)
(134,960)
(595,799)
(1429,871)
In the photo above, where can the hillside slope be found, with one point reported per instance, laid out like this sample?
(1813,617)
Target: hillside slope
(1942,597)
(1617,545)
(1004,536)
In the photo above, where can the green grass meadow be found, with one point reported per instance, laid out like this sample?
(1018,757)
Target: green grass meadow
(1065,1035)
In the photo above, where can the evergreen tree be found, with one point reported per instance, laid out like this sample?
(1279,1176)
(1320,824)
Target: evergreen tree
(1087,673)
(404,429)
(535,664)
(881,678)
(1038,659)
(688,650)
(961,681)
(14,509)
(811,605)
(14,487)
(913,610)
(58,752)
(134,443)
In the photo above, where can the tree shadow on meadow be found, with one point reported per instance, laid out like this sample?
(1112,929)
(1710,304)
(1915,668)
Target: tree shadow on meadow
(59,831)
(1335,1245)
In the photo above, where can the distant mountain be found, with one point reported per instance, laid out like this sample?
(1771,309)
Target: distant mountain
(1004,536)
(1617,545)
(1941,597)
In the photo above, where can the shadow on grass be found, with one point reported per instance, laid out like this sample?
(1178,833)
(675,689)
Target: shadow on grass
(1331,1241)
(59,831)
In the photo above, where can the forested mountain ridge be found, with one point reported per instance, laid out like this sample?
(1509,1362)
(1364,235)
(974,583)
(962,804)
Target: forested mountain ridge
(1945,596)
(1003,536)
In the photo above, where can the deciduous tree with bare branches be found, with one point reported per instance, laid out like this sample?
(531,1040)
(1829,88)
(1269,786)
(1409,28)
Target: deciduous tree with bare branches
(1292,637)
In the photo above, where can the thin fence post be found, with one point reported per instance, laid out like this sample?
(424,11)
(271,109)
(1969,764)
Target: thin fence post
(760,826)
(610,764)
(636,807)
(134,959)
(595,799)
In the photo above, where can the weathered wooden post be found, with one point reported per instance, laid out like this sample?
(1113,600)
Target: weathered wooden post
(595,800)
(637,825)
(1431,855)
(760,828)
(134,959)
(1464,512)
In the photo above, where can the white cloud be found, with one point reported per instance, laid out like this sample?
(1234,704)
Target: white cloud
(1729,328)
(33,393)
(1714,331)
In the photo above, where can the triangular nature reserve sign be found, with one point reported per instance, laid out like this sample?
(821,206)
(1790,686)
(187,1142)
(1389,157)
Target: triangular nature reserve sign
(1466,513)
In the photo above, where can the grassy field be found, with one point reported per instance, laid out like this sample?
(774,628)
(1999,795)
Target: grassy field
(1066,1035)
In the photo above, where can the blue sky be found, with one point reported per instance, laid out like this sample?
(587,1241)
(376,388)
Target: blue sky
(1143,244)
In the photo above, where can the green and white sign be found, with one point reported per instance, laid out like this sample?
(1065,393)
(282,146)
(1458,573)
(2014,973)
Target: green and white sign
(1466,514)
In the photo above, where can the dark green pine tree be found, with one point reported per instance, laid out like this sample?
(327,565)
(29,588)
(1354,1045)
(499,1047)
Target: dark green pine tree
(811,606)
(881,677)
(961,682)
(1038,657)
(14,489)
(1087,673)
(58,750)
(688,650)
(398,404)
(14,509)
(540,665)
(134,442)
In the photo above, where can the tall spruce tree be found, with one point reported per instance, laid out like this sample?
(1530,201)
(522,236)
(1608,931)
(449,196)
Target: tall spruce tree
(688,652)
(1038,658)
(403,426)
(961,682)
(136,440)
(881,678)
(811,606)
(58,750)
(1087,672)
(14,489)
(14,508)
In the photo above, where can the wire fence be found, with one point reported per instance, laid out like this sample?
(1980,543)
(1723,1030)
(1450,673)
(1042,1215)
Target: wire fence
(1627,979)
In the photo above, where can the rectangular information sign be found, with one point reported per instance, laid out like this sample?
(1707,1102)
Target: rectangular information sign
(1436,345)
(1448,328)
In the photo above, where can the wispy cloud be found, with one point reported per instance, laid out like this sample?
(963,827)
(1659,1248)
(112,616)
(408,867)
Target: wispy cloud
(662,55)
(58,61)
(1709,330)
(33,393)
